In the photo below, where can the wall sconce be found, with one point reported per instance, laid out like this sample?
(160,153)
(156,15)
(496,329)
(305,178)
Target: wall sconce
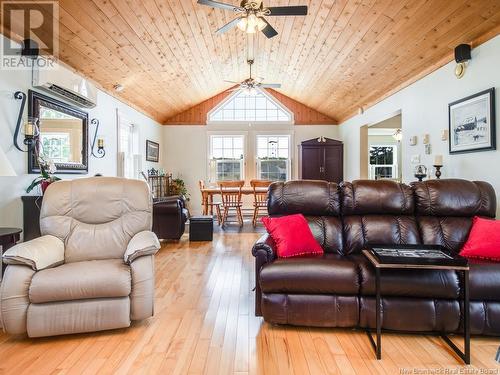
(30,127)
(462,57)
(100,142)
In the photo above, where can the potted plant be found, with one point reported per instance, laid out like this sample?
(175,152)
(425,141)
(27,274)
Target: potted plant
(178,187)
(47,170)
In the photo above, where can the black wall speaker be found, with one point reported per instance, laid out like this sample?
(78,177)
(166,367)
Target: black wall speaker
(462,53)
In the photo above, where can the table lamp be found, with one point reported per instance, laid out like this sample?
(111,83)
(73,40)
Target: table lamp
(5,166)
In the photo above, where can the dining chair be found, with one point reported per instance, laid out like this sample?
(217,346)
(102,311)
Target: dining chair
(231,199)
(208,204)
(259,197)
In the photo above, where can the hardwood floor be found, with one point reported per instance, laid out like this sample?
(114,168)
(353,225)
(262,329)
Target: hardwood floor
(204,323)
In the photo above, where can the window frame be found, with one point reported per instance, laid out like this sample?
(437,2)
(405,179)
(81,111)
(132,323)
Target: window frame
(246,122)
(210,135)
(258,168)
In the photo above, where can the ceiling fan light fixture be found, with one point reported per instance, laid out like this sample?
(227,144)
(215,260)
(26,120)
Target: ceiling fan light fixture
(251,23)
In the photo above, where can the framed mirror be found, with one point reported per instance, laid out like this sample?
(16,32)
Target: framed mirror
(63,135)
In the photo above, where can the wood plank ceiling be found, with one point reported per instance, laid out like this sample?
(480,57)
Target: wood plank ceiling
(344,55)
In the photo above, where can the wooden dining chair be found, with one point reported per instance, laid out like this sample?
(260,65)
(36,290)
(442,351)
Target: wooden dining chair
(259,197)
(208,204)
(231,199)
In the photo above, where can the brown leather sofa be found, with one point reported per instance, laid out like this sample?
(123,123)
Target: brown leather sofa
(169,217)
(337,289)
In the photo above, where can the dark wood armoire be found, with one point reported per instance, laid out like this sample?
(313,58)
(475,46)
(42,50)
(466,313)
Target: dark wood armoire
(321,159)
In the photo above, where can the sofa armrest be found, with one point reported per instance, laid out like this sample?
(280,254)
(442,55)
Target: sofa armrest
(40,253)
(265,247)
(169,207)
(143,243)
(264,251)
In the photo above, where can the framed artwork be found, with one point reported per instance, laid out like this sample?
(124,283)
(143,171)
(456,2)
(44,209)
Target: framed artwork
(472,123)
(152,151)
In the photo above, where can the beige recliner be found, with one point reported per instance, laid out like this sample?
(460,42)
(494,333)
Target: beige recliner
(93,267)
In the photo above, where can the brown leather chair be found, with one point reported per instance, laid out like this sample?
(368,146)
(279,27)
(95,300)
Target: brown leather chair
(338,289)
(259,197)
(231,199)
(169,217)
(209,205)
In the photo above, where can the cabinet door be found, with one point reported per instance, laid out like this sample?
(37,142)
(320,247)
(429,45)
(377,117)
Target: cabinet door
(312,163)
(334,164)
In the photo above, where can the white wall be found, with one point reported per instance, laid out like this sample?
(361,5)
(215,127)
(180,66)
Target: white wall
(186,149)
(424,107)
(12,188)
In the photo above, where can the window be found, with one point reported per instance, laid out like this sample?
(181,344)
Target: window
(273,157)
(245,107)
(383,162)
(226,157)
(129,158)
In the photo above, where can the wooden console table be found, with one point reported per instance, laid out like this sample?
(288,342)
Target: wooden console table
(8,238)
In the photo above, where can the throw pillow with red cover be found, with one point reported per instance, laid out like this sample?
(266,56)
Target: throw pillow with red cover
(484,240)
(292,236)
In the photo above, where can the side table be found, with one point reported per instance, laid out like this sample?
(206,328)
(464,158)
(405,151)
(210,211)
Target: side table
(8,238)
(427,264)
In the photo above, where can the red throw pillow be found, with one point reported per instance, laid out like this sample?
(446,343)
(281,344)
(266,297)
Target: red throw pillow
(484,240)
(292,236)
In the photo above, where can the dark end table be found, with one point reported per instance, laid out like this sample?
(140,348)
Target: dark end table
(8,238)
(428,264)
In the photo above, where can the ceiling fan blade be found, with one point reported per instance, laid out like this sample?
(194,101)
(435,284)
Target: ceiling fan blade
(228,26)
(216,4)
(269,31)
(237,83)
(300,10)
(271,85)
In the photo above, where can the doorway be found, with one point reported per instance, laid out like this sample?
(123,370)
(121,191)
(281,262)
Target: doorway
(380,150)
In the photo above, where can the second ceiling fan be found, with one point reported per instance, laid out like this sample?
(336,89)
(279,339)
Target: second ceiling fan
(251,15)
(251,85)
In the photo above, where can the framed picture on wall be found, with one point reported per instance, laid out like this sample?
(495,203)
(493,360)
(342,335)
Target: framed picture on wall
(152,151)
(472,123)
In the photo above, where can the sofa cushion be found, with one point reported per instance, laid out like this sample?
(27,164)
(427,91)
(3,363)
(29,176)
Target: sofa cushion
(454,197)
(361,231)
(330,273)
(382,197)
(81,280)
(309,198)
(484,280)
(408,283)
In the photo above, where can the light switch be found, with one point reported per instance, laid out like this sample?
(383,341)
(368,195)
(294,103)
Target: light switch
(415,159)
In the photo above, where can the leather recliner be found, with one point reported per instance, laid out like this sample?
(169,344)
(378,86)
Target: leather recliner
(93,267)
(338,289)
(169,217)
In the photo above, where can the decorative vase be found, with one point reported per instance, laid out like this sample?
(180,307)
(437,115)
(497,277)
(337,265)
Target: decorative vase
(44,185)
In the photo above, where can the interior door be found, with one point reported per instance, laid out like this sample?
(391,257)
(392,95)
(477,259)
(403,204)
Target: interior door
(312,163)
(334,164)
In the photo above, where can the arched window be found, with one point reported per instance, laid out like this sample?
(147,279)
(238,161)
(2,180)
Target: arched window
(245,106)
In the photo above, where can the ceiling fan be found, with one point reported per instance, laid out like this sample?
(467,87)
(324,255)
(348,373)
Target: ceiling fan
(251,85)
(251,15)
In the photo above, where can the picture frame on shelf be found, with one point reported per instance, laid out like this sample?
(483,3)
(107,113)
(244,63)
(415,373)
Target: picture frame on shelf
(471,122)
(152,151)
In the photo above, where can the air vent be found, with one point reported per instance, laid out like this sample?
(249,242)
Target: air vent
(80,101)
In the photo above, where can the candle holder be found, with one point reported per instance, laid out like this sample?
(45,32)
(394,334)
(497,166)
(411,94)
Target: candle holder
(438,171)
(100,142)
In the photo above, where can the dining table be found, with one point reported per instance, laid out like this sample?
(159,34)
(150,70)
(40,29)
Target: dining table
(208,194)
